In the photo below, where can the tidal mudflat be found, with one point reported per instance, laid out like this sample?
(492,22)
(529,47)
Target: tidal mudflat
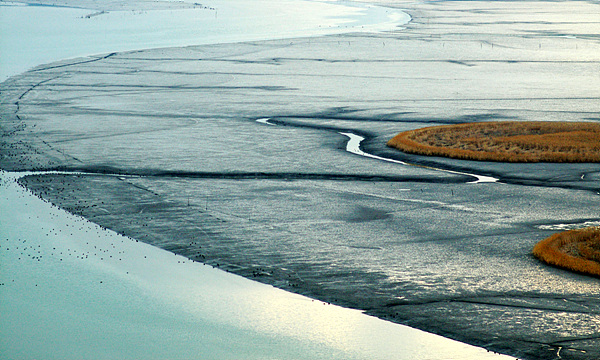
(174,156)
(71,289)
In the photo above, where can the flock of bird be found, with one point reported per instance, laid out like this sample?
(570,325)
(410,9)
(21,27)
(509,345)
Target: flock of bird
(55,237)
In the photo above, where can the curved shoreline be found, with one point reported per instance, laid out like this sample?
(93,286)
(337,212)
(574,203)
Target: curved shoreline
(50,255)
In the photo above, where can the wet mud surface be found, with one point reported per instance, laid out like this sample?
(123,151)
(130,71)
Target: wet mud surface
(164,146)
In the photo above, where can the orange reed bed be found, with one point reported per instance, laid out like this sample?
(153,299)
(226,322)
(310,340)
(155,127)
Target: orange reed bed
(508,141)
(576,250)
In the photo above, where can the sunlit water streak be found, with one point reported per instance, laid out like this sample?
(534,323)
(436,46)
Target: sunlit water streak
(353,146)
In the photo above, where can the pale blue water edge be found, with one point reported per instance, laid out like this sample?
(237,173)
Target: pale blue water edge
(60,33)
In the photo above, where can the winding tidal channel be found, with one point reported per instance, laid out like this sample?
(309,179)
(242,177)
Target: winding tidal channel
(354,143)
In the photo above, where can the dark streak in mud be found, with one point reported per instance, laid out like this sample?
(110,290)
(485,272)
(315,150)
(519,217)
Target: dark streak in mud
(167,87)
(82,171)
(79,62)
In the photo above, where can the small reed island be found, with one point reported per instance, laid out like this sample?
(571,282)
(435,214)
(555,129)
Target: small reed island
(531,141)
(576,250)
(506,141)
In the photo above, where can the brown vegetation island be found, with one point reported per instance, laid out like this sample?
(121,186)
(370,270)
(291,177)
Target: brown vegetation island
(508,141)
(576,250)
(530,141)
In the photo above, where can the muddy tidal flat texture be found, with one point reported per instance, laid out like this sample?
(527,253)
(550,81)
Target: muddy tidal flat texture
(164,146)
